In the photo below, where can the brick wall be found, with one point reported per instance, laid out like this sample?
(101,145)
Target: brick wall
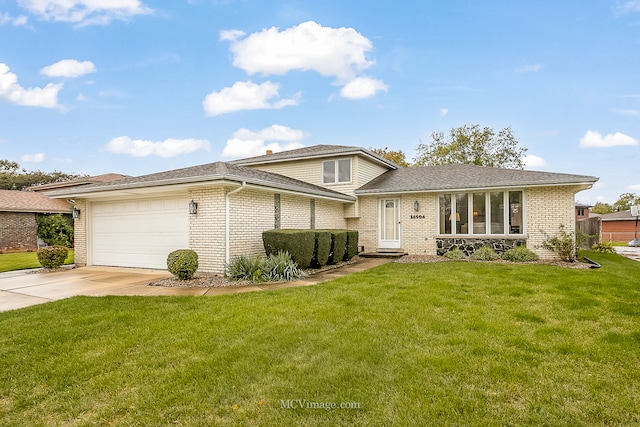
(207,228)
(18,231)
(547,208)
(80,233)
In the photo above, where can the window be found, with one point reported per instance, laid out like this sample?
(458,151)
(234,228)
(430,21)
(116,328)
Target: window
(336,171)
(481,213)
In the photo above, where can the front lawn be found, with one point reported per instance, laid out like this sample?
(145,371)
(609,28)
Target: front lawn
(24,260)
(453,343)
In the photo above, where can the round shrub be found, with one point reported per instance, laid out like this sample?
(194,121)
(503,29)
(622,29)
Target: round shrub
(182,263)
(52,256)
(455,253)
(520,254)
(484,253)
(604,248)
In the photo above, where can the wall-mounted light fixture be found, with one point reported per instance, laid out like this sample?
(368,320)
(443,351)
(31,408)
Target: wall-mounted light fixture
(75,213)
(416,206)
(193,207)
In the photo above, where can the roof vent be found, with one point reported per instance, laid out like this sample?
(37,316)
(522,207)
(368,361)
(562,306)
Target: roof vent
(269,152)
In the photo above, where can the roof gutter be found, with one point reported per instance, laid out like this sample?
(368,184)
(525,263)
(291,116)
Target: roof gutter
(227,221)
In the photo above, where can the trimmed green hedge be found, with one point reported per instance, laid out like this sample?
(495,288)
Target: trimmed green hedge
(299,243)
(352,245)
(338,246)
(322,248)
(312,247)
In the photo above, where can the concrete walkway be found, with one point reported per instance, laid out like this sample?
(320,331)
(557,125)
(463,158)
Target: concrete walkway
(25,288)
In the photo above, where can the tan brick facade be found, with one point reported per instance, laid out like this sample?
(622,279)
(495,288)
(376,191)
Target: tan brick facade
(80,233)
(546,208)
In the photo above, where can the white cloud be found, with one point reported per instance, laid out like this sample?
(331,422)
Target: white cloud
(532,68)
(627,6)
(339,52)
(231,35)
(532,162)
(32,158)
(245,143)
(244,96)
(444,112)
(68,68)
(10,90)
(6,19)
(362,87)
(167,148)
(85,12)
(593,139)
(630,113)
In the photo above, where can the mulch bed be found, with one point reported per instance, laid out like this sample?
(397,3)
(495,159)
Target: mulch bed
(419,259)
(205,280)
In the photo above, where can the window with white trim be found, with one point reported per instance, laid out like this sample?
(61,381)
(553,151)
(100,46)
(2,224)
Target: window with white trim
(336,171)
(481,213)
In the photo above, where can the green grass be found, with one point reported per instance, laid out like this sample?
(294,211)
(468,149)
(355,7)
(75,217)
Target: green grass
(24,260)
(433,344)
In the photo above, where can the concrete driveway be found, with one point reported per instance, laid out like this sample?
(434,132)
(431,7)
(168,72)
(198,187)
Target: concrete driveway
(629,252)
(23,288)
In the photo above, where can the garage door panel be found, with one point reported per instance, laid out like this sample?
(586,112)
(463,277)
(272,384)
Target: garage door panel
(139,233)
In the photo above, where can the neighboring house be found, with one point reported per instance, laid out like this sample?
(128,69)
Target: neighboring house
(19,212)
(618,227)
(137,221)
(85,180)
(582,211)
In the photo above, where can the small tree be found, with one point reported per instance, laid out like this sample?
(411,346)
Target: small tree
(55,230)
(563,244)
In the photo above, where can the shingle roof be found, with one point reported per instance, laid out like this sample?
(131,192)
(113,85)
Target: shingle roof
(315,151)
(27,201)
(85,180)
(617,216)
(218,171)
(458,177)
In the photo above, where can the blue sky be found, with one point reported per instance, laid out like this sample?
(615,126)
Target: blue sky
(140,86)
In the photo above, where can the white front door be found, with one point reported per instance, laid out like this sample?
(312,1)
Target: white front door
(389,225)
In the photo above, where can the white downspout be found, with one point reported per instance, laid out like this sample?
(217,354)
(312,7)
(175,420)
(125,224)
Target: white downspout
(227,222)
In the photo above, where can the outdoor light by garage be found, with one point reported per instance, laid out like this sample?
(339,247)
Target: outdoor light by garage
(193,207)
(75,213)
(416,206)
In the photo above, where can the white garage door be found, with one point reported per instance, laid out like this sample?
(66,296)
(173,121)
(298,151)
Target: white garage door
(138,233)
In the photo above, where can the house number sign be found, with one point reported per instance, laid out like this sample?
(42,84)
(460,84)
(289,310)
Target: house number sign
(417,216)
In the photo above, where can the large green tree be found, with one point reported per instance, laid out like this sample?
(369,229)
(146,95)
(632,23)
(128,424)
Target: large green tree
(13,177)
(625,201)
(472,145)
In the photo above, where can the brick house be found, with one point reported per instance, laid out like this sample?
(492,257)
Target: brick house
(221,209)
(617,227)
(19,212)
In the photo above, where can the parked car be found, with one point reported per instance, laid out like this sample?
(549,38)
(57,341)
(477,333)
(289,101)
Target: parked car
(634,243)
